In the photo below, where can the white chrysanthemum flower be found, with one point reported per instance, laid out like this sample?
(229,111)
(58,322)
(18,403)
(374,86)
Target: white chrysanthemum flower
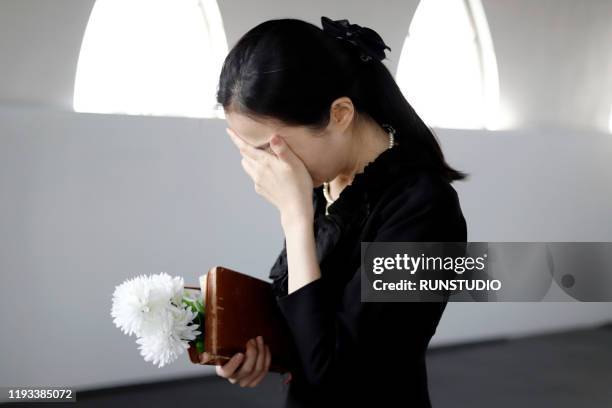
(173,287)
(171,340)
(140,305)
(152,308)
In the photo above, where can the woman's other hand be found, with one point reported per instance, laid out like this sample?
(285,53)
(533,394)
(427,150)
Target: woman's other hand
(248,368)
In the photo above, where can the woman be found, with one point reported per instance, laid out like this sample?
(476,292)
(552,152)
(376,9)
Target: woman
(328,139)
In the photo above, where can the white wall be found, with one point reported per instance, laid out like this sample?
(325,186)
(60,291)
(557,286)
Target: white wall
(554,59)
(538,185)
(90,200)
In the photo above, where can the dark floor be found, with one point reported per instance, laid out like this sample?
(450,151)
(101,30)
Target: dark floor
(571,369)
(562,370)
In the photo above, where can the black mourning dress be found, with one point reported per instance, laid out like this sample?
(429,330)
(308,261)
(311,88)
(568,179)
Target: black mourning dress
(353,352)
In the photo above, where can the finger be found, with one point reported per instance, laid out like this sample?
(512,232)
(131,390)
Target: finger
(254,174)
(281,149)
(204,357)
(249,362)
(230,367)
(259,363)
(245,148)
(249,167)
(268,360)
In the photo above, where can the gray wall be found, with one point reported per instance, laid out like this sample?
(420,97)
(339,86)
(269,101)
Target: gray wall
(90,200)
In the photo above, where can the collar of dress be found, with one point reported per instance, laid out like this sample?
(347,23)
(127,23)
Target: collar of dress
(350,210)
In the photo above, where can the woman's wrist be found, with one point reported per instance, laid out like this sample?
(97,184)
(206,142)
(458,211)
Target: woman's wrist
(296,221)
(301,252)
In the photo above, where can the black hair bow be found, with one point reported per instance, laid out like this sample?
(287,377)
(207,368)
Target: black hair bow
(368,40)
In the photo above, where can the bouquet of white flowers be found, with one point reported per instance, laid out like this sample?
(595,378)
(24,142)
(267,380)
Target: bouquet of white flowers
(164,318)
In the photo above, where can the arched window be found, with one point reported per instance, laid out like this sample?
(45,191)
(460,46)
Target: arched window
(151,57)
(448,69)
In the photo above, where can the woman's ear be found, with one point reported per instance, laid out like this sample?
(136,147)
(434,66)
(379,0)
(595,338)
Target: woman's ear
(341,114)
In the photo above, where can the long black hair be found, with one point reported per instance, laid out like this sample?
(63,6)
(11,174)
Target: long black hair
(291,71)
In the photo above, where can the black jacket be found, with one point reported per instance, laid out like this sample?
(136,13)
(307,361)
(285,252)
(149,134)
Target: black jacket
(348,351)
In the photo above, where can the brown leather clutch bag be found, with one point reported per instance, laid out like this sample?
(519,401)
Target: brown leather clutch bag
(239,307)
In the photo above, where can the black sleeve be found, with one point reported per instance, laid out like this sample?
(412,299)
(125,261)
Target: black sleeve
(332,342)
